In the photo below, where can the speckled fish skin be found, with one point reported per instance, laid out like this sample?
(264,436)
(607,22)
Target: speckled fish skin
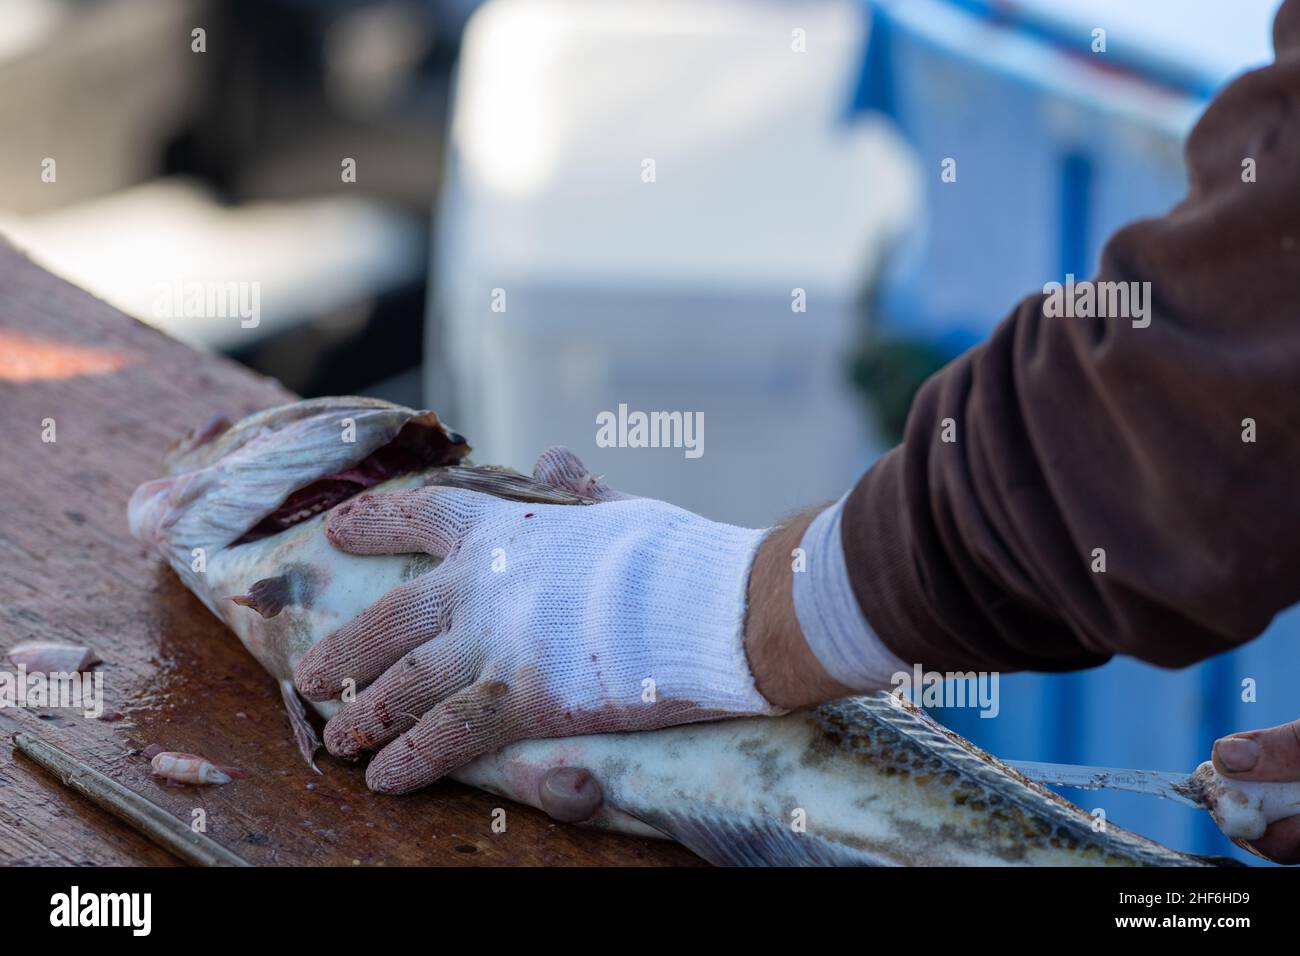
(868,781)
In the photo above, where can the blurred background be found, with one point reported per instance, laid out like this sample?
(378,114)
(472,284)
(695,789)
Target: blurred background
(723,206)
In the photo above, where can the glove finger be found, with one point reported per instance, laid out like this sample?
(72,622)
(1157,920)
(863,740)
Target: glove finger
(470,723)
(560,467)
(394,703)
(431,519)
(370,643)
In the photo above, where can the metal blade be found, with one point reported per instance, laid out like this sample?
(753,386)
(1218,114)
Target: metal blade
(1159,783)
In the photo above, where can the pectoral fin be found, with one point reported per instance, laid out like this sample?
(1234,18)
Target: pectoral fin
(725,840)
(504,483)
(303,732)
(269,596)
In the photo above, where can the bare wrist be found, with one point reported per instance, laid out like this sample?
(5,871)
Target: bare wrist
(785,670)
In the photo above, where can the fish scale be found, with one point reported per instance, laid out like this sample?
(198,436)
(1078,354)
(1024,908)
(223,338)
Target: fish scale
(909,731)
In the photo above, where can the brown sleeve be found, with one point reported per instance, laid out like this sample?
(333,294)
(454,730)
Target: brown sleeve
(1075,434)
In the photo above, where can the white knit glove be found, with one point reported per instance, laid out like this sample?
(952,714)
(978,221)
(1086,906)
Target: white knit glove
(542,621)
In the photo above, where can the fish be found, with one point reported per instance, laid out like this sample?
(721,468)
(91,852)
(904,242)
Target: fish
(873,780)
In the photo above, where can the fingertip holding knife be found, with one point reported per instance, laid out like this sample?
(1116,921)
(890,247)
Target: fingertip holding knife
(1243,809)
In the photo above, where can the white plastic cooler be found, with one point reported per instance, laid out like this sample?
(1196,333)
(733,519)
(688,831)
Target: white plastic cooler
(676,294)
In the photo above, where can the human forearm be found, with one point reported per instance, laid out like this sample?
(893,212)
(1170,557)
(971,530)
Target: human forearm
(1084,485)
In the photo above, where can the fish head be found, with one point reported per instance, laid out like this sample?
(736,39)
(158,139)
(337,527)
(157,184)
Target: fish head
(228,484)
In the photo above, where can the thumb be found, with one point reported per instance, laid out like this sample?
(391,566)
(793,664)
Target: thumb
(569,794)
(1265,755)
(1269,755)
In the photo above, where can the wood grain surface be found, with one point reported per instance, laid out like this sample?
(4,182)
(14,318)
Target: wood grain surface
(120,393)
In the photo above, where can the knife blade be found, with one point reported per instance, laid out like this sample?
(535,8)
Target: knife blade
(1159,783)
(1243,809)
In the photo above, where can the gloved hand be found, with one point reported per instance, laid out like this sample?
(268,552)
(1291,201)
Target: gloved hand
(542,621)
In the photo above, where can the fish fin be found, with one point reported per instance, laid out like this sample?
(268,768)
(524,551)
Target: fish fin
(725,840)
(268,597)
(215,426)
(303,732)
(505,483)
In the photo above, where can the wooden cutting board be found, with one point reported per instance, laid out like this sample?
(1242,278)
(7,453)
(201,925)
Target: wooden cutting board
(119,393)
